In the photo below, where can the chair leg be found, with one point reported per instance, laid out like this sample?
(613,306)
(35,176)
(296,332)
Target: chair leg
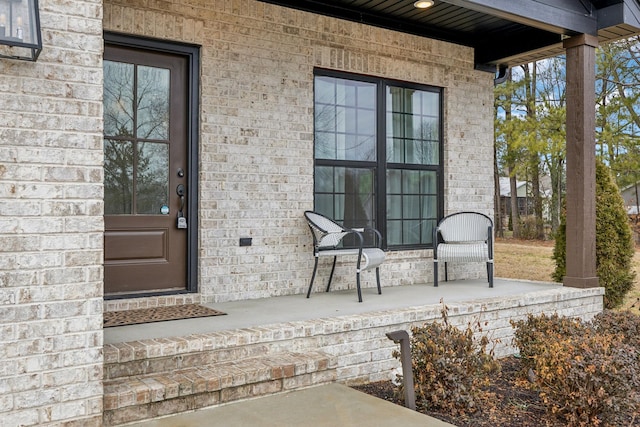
(378,280)
(490,273)
(358,285)
(331,275)
(446,273)
(313,276)
(435,273)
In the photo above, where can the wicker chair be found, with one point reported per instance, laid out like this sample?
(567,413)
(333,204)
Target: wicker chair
(461,238)
(327,236)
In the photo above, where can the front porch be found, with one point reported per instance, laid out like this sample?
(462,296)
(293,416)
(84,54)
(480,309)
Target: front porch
(273,345)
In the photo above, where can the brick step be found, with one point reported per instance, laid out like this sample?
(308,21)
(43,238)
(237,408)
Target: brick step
(156,364)
(143,397)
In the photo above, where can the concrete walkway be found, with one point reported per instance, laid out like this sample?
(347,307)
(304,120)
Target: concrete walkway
(332,405)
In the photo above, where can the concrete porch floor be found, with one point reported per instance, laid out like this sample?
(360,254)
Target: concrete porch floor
(267,311)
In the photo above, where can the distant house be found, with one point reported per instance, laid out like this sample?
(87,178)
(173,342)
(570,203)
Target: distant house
(525,201)
(631,196)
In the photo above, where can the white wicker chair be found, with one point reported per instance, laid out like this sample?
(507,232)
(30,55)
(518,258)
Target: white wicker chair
(327,235)
(463,237)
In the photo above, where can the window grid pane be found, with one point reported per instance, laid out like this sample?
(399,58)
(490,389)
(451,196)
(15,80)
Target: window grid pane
(346,195)
(412,204)
(412,126)
(345,109)
(346,143)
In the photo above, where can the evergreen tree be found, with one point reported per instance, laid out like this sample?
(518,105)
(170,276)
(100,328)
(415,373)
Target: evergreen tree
(614,241)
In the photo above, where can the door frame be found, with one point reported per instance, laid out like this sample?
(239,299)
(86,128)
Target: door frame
(191,53)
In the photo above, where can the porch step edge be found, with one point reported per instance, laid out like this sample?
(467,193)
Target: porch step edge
(280,369)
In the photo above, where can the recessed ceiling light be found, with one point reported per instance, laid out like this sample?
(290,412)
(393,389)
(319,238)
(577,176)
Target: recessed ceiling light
(423,4)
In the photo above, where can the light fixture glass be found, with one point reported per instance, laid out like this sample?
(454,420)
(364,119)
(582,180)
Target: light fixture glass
(423,4)
(20,35)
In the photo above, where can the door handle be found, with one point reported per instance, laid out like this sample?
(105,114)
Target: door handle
(182,221)
(180,192)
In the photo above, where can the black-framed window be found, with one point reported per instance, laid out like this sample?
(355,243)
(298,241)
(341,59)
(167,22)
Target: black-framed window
(378,155)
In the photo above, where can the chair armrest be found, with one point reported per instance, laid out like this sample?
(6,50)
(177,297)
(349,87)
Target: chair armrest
(378,237)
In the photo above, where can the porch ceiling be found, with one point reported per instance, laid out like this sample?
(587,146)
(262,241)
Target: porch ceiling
(502,32)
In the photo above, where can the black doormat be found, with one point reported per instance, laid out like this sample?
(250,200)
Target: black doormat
(157,314)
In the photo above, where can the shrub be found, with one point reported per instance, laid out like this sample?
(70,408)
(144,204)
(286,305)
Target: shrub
(614,241)
(529,227)
(450,367)
(624,323)
(585,376)
(530,336)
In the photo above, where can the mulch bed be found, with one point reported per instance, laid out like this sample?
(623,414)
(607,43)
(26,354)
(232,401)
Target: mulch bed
(512,405)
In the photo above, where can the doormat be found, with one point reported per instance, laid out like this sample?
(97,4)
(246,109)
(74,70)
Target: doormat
(157,314)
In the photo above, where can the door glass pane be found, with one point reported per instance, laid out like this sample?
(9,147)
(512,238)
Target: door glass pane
(152,177)
(118,176)
(153,103)
(118,99)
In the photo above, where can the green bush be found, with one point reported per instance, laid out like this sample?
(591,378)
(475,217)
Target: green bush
(614,241)
(450,367)
(587,374)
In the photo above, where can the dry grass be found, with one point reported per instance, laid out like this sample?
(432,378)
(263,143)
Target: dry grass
(531,260)
(523,259)
(632,301)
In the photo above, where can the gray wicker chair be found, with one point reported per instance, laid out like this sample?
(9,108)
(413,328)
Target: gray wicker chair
(327,236)
(463,237)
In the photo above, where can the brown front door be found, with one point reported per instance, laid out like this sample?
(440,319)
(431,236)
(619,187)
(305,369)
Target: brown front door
(145,171)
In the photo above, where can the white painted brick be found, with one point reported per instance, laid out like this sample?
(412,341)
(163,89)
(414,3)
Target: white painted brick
(45,166)
(256,175)
(20,417)
(245,145)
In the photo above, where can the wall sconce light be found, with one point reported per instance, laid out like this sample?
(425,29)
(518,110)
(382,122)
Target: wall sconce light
(20,35)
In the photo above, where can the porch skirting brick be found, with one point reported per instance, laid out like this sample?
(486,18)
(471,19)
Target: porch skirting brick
(150,378)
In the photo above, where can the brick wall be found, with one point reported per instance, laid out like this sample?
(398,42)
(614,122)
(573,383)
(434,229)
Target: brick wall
(256,148)
(51,224)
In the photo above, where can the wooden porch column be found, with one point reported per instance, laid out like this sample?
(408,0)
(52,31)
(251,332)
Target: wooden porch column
(581,167)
